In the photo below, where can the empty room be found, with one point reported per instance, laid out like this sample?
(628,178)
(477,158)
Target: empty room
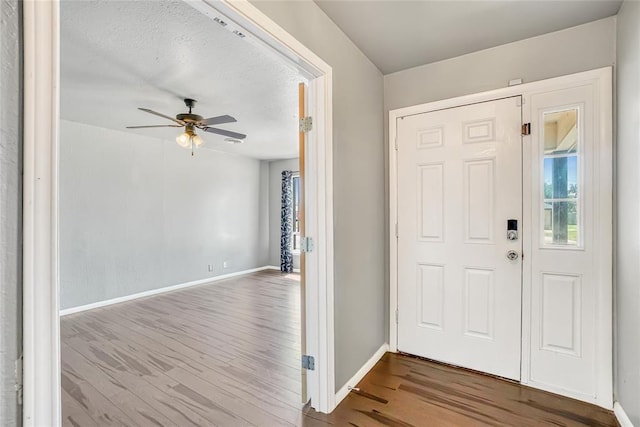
(179,221)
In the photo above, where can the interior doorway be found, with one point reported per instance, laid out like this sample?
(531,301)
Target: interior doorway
(41,355)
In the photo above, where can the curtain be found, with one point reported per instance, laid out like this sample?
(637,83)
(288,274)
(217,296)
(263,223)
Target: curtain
(286,222)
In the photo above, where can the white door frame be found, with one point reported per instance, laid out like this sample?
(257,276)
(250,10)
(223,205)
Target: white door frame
(602,79)
(41,347)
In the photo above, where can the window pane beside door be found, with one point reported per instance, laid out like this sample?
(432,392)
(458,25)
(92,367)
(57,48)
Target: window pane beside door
(561,163)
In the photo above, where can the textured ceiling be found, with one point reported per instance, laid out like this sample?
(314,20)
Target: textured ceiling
(120,55)
(399,34)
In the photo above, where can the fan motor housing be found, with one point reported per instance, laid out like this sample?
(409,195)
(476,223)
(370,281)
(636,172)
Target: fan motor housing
(189,118)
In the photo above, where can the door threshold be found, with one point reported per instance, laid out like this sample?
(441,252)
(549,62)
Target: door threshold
(462,368)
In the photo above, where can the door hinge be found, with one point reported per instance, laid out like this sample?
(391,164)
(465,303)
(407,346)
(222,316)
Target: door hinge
(19,379)
(526,129)
(396,230)
(308,362)
(396,143)
(306,244)
(306,124)
(396,315)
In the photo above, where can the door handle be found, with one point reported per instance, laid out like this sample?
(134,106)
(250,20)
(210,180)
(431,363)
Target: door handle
(512,255)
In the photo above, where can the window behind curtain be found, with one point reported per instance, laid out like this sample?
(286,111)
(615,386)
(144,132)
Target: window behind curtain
(295,234)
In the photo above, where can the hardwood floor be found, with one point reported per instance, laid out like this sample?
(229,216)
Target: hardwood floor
(223,354)
(228,354)
(403,391)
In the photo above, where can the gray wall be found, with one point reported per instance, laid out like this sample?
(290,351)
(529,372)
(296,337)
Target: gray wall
(627,243)
(580,48)
(138,213)
(275,202)
(358,182)
(10,206)
(576,49)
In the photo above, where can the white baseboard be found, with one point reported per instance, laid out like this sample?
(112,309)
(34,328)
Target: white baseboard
(621,416)
(151,292)
(344,391)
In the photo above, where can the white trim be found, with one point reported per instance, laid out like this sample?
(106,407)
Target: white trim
(41,327)
(393,238)
(171,288)
(358,376)
(275,267)
(621,416)
(40,261)
(601,78)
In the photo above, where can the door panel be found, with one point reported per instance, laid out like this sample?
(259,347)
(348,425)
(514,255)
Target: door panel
(459,181)
(302,88)
(563,263)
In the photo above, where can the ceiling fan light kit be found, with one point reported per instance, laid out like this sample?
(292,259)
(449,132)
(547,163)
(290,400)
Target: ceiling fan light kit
(189,138)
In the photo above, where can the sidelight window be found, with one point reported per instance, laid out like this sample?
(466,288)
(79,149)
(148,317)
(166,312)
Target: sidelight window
(561,178)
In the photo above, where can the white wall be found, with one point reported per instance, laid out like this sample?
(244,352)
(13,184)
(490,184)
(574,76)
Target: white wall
(627,243)
(358,175)
(585,47)
(10,207)
(275,203)
(139,213)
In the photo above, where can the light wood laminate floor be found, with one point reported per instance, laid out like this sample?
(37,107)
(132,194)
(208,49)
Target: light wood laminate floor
(228,354)
(225,354)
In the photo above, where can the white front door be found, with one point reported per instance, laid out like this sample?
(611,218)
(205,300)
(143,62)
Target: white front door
(459,183)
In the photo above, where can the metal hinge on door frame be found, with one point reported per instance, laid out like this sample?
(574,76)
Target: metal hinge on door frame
(306,244)
(396,316)
(308,362)
(526,129)
(306,124)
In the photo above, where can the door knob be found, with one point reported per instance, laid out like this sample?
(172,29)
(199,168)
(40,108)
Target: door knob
(512,255)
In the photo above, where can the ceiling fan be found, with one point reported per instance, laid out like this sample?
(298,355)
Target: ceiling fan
(191,122)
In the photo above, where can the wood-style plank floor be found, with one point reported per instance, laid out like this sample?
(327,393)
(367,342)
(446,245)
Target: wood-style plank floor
(225,354)
(403,391)
(228,354)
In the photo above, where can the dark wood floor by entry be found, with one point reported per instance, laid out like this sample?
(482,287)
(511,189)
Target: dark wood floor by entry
(228,354)
(404,391)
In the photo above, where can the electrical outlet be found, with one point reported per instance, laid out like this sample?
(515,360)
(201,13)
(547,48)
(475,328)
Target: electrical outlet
(211,268)
(225,264)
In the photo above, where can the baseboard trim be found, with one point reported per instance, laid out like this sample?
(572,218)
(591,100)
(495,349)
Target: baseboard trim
(275,267)
(354,380)
(621,416)
(151,292)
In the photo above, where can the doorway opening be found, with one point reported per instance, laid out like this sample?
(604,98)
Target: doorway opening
(242,21)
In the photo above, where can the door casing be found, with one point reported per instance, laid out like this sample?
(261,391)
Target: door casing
(601,79)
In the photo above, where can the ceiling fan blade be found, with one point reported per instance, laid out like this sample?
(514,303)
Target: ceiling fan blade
(154,126)
(217,120)
(146,110)
(225,133)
